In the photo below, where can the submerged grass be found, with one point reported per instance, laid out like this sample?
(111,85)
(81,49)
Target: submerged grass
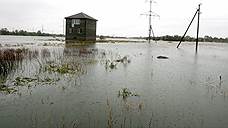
(11,57)
(26,81)
(64,68)
(9,90)
(22,81)
(125,93)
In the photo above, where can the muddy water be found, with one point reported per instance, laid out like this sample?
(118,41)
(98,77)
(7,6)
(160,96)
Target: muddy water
(182,91)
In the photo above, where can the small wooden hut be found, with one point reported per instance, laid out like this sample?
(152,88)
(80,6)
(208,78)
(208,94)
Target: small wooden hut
(80,27)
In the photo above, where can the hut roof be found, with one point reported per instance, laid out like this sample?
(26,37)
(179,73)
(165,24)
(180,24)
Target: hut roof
(80,16)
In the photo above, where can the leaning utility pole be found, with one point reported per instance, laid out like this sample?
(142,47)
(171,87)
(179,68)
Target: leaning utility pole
(197,37)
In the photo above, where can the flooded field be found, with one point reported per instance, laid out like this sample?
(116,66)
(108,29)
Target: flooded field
(45,83)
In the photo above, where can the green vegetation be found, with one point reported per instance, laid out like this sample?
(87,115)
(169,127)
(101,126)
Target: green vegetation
(11,58)
(27,81)
(5,31)
(6,89)
(22,81)
(125,93)
(64,68)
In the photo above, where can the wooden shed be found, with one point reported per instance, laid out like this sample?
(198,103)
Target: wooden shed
(81,27)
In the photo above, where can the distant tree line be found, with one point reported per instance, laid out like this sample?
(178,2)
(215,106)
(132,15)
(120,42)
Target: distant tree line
(191,39)
(174,38)
(5,31)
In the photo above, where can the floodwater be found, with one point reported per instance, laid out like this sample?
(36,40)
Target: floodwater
(187,90)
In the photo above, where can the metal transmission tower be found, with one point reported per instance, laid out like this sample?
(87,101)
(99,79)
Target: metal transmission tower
(150,14)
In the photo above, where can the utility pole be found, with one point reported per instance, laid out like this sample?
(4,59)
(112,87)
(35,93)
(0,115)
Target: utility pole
(197,36)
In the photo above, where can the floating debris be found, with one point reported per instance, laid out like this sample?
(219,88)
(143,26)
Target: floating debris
(163,57)
(110,65)
(125,59)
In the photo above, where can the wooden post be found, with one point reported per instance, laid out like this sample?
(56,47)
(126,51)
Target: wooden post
(197,37)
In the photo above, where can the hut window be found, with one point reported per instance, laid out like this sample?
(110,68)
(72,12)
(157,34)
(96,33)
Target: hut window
(70,30)
(75,22)
(79,30)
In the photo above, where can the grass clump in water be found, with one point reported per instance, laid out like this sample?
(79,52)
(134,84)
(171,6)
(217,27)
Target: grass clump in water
(22,81)
(125,93)
(26,81)
(63,69)
(9,90)
(4,88)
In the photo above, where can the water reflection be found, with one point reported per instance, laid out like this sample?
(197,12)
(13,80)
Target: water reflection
(72,43)
(80,50)
(77,86)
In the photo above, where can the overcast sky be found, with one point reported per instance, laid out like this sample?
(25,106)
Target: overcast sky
(117,17)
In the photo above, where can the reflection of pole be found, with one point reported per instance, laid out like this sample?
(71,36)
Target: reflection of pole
(150,27)
(63,27)
(197,38)
(42,28)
